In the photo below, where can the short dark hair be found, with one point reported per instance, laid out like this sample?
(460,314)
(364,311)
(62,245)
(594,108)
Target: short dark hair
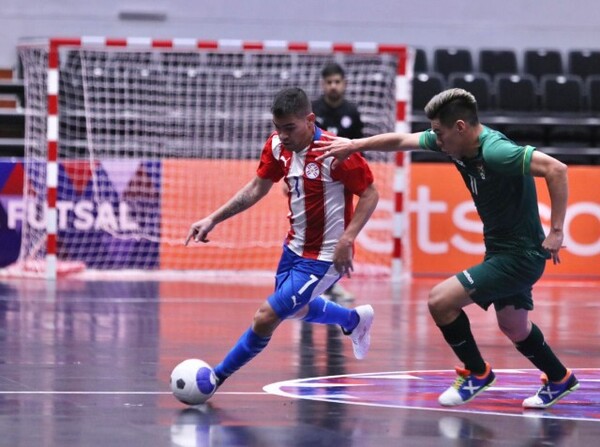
(291,101)
(452,105)
(332,68)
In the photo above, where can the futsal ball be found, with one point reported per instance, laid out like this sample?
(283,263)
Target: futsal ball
(193,382)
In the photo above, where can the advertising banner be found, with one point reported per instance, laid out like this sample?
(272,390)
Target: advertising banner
(446,232)
(11,191)
(137,215)
(94,222)
(444,236)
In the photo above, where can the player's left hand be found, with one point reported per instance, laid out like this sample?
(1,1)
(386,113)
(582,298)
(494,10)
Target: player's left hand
(553,244)
(342,258)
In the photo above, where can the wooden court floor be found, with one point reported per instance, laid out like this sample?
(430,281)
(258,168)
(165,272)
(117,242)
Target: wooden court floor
(87,363)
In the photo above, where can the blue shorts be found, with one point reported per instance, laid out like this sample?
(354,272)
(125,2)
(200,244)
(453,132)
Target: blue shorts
(298,281)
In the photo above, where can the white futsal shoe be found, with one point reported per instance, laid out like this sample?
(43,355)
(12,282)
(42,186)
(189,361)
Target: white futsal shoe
(361,335)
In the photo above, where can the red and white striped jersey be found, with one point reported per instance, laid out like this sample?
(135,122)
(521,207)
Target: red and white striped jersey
(319,197)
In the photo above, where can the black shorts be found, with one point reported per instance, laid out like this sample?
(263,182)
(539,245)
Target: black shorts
(504,279)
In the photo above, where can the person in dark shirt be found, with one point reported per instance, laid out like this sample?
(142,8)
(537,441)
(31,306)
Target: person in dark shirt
(499,174)
(333,111)
(341,117)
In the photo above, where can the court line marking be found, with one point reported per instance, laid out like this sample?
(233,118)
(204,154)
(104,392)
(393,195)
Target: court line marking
(275,389)
(126,393)
(129,300)
(525,414)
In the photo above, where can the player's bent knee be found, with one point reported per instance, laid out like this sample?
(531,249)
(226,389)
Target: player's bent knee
(515,324)
(444,306)
(436,309)
(265,321)
(437,301)
(515,333)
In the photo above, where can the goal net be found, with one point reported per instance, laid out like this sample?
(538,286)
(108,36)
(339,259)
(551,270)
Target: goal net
(152,139)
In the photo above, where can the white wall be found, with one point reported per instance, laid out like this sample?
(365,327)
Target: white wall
(473,24)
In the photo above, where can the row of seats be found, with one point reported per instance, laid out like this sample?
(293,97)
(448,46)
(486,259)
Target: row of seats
(551,94)
(533,84)
(586,139)
(537,96)
(534,62)
(12,122)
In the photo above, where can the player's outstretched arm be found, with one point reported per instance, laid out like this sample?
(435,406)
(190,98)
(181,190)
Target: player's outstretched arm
(555,174)
(342,257)
(341,148)
(250,194)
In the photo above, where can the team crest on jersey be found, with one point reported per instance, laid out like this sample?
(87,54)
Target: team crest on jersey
(312,171)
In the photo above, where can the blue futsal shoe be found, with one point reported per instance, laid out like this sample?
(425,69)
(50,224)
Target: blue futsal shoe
(552,392)
(467,386)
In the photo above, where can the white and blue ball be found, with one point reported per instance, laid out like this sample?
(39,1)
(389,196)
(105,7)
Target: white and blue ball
(193,382)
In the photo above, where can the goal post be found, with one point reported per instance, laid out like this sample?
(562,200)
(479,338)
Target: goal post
(128,141)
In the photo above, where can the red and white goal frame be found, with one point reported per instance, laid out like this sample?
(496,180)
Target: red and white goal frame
(402,88)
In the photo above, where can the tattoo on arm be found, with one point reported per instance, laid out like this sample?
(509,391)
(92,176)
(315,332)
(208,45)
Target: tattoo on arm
(243,200)
(238,203)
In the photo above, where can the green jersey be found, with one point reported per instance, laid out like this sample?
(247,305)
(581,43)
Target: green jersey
(503,190)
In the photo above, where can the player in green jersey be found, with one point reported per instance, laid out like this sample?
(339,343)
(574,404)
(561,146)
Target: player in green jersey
(499,175)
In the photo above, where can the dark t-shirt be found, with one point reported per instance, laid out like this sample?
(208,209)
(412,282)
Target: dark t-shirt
(503,191)
(343,121)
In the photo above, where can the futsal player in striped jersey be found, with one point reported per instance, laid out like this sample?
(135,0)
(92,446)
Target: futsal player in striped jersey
(318,248)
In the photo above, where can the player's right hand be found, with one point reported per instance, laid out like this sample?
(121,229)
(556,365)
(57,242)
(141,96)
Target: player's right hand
(199,230)
(342,257)
(553,244)
(337,147)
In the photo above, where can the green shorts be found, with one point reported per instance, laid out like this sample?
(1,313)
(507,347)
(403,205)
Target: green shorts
(503,279)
